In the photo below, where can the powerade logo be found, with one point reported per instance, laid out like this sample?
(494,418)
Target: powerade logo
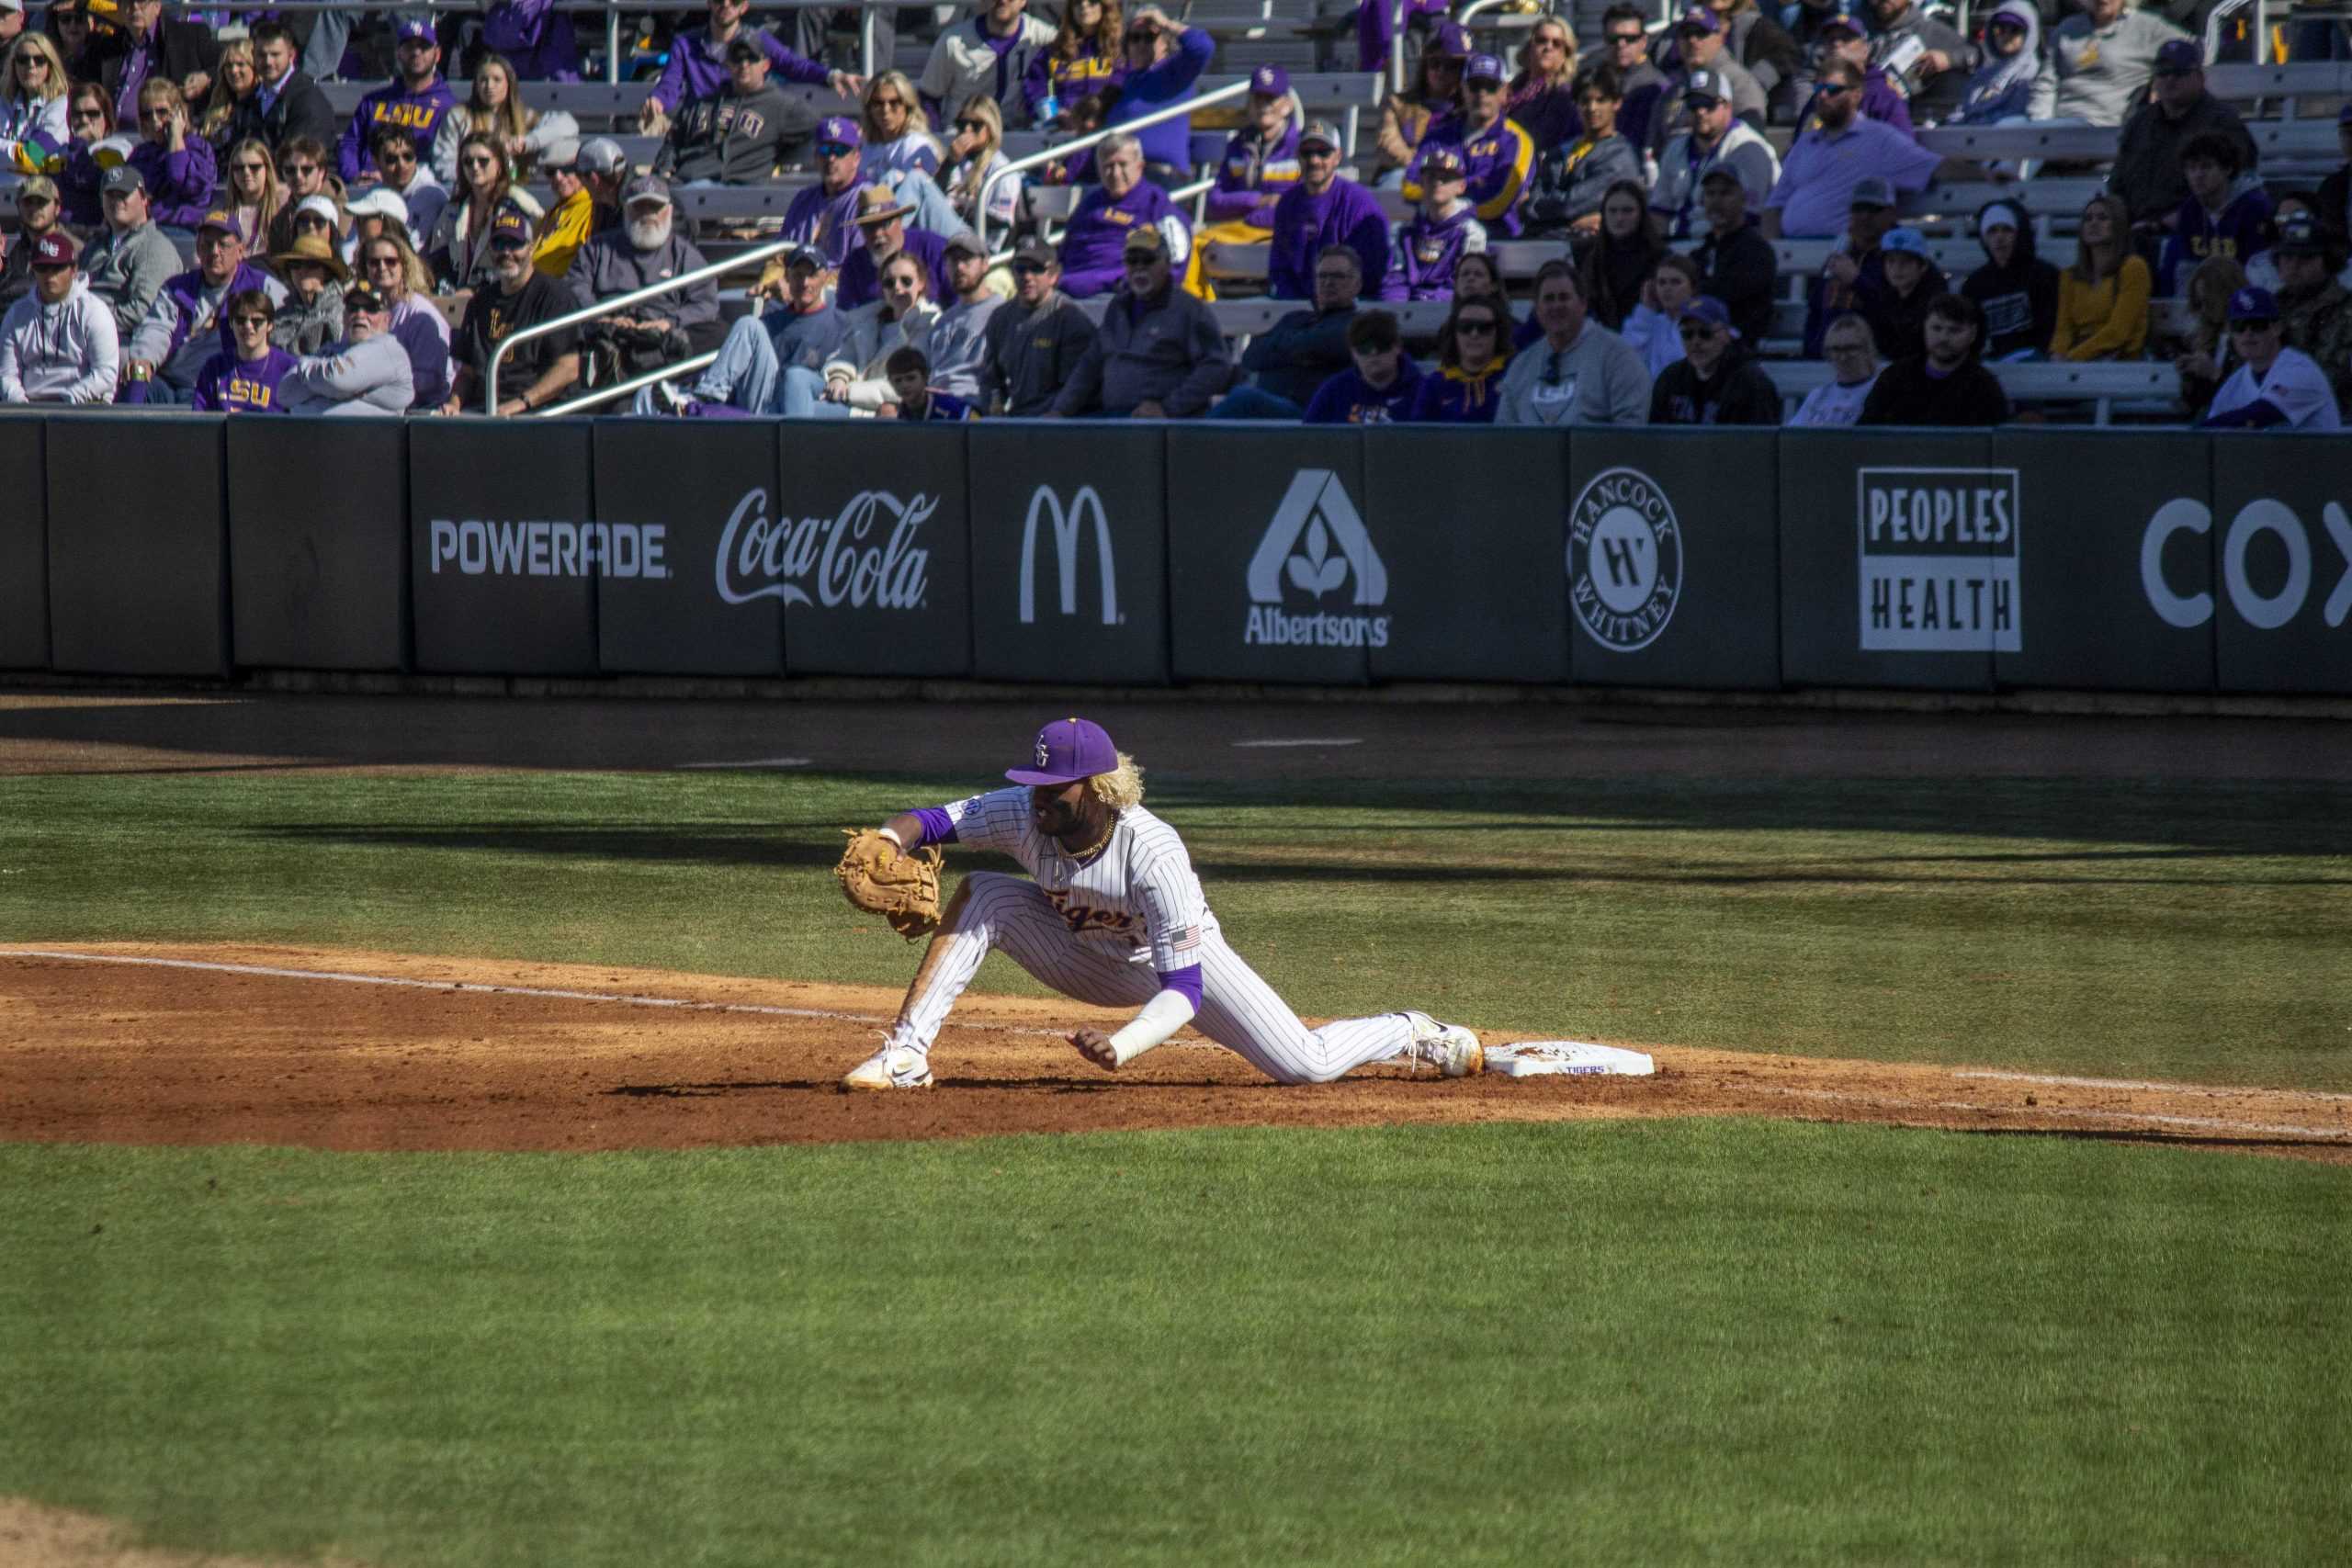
(1624,559)
(476,549)
(1939,563)
(2267,595)
(1317,548)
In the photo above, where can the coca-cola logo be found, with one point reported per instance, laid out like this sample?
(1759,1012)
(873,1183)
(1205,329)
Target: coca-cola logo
(866,554)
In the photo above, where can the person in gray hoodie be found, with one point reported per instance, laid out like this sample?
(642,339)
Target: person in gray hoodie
(1579,372)
(58,344)
(367,374)
(1158,353)
(739,134)
(127,266)
(2002,88)
(2099,64)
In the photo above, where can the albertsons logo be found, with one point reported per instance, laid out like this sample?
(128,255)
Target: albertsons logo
(1316,550)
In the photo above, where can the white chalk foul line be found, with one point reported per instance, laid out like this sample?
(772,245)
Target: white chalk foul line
(2142,1085)
(350,978)
(1275,745)
(755,762)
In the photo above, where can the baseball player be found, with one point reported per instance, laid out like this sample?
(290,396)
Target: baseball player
(1115,917)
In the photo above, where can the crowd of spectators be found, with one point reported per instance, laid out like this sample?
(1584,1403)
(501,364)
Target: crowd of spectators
(220,220)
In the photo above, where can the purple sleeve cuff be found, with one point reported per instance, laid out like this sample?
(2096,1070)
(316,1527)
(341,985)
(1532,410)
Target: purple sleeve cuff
(938,828)
(1186,982)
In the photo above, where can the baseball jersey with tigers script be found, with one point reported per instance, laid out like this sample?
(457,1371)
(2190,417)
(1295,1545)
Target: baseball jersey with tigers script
(1139,894)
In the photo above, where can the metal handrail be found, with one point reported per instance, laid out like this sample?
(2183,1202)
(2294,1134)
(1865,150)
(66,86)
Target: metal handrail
(604,395)
(621,302)
(1092,138)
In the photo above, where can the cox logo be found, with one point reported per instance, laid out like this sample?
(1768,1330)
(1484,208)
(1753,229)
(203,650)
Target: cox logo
(2267,611)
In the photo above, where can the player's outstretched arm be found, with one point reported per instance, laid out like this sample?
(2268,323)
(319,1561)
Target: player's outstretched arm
(1162,1016)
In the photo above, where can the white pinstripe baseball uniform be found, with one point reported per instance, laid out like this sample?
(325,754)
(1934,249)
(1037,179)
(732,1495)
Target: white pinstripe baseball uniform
(1106,930)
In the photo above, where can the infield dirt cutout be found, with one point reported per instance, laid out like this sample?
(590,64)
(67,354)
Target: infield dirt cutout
(210,1044)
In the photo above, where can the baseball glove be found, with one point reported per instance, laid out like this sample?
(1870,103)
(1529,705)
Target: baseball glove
(901,886)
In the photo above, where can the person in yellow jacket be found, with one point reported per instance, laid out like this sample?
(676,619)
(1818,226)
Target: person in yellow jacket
(2103,298)
(566,225)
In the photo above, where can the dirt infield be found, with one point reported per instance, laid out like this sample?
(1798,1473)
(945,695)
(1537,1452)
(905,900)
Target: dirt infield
(361,1051)
(35,1536)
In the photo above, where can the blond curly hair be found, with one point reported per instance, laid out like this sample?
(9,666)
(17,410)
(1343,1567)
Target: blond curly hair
(1122,786)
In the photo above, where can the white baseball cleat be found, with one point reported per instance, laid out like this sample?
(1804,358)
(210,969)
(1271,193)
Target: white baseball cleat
(1450,1048)
(890,1068)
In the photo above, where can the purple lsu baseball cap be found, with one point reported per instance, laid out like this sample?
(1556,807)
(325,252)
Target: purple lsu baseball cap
(842,131)
(1068,750)
(1269,82)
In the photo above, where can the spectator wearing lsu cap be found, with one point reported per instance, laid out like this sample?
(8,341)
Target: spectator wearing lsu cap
(2218,219)
(1292,358)
(2147,173)
(1157,353)
(1572,179)
(58,344)
(1844,37)
(2314,308)
(885,234)
(1909,280)
(2275,387)
(366,374)
(1716,139)
(1497,154)
(1381,383)
(1324,209)
(243,378)
(1736,263)
(2099,62)
(1714,381)
(1260,164)
(1034,344)
(2002,87)
(38,212)
(647,250)
(987,57)
(738,134)
(1653,114)
(1435,239)
(1094,245)
(186,326)
(517,296)
(1579,372)
(909,375)
(2016,289)
(1948,385)
(127,266)
(414,101)
(825,214)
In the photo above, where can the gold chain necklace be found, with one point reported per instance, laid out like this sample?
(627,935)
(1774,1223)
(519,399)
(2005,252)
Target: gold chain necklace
(1096,847)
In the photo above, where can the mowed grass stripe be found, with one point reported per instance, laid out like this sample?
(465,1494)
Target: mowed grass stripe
(2199,932)
(1671,1342)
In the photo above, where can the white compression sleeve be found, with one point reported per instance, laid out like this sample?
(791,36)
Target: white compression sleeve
(1161,1017)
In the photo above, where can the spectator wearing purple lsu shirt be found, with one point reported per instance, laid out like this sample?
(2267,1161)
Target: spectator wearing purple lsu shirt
(1825,164)
(697,66)
(1260,164)
(1496,154)
(1094,245)
(416,101)
(882,219)
(174,161)
(2217,218)
(1435,239)
(1323,210)
(1380,387)
(535,37)
(244,377)
(825,214)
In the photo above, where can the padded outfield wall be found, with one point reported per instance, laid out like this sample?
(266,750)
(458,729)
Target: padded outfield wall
(2162,561)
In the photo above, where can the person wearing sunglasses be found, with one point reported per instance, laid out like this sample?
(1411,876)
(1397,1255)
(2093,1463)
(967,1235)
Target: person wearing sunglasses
(188,324)
(825,214)
(1034,344)
(1260,164)
(176,163)
(1432,243)
(1165,58)
(416,101)
(1714,382)
(987,57)
(1472,354)
(407,180)
(2275,387)
(387,263)
(2002,86)
(898,133)
(1495,154)
(1158,353)
(697,66)
(58,344)
(1844,37)
(89,121)
(976,156)
(367,374)
(736,135)
(33,129)
(243,378)
(1579,372)
(1840,150)
(1715,138)
(1542,101)
(1323,210)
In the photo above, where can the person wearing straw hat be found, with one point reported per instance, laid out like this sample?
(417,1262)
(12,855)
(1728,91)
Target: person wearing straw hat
(311,317)
(886,234)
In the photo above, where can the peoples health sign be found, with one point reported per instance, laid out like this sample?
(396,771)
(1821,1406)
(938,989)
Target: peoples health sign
(1939,560)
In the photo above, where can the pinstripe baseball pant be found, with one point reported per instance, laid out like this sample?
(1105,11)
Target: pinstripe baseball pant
(1238,1009)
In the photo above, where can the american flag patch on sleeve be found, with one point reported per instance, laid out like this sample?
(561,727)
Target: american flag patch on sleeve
(1189,937)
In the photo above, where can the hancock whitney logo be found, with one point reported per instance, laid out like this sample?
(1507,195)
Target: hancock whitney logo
(1624,559)
(1317,548)
(1069,525)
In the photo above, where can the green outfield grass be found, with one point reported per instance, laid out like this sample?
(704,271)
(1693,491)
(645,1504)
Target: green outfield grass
(2199,932)
(1608,1342)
